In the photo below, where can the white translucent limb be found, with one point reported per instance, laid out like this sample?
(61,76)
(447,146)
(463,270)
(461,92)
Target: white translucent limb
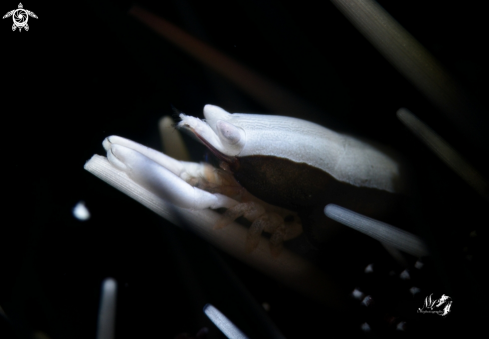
(222,135)
(223,323)
(106,315)
(444,151)
(182,169)
(203,130)
(162,159)
(385,233)
(288,268)
(157,178)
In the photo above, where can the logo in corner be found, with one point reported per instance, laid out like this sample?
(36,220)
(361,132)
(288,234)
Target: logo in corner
(20,17)
(438,306)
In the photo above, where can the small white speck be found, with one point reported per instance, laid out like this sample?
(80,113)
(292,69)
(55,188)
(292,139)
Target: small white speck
(405,275)
(365,327)
(419,265)
(266,306)
(473,234)
(357,294)
(81,212)
(414,290)
(369,269)
(401,326)
(367,301)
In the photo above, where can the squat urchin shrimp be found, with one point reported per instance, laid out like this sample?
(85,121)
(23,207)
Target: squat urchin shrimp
(277,172)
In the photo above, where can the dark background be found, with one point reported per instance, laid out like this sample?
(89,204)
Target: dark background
(86,70)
